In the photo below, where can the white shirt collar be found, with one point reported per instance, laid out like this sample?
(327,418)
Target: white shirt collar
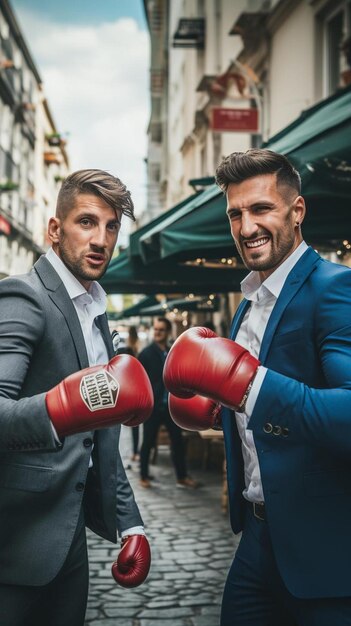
(74,288)
(253,289)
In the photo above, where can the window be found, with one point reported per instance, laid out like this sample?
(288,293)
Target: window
(336,46)
(154,172)
(334,33)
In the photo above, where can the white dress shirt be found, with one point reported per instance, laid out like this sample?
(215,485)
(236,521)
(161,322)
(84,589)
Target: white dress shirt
(263,297)
(89,305)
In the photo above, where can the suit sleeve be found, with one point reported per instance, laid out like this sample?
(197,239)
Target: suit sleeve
(24,422)
(144,360)
(321,417)
(127,509)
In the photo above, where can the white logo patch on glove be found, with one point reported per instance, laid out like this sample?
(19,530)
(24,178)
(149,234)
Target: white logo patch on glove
(99,390)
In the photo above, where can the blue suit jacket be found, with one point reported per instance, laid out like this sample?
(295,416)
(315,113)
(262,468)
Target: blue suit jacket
(305,461)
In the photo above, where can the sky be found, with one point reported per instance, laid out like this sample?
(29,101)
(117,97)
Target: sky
(93,58)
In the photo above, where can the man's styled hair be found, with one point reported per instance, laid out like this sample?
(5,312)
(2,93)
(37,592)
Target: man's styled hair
(97,183)
(240,166)
(166,322)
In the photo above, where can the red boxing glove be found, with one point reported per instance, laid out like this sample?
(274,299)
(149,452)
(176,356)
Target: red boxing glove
(196,413)
(200,362)
(101,396)
(133,562)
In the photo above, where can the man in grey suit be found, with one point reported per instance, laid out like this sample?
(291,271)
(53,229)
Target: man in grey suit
(60,472)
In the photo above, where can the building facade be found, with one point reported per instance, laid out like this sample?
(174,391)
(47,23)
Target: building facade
(29,176)
(234,74)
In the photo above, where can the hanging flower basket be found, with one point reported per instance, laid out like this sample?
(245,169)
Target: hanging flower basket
(51,157)
(55,139)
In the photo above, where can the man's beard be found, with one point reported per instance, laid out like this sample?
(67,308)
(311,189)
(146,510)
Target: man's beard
(76,264)
(281,246)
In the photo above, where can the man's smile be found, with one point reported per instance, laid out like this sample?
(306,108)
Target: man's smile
(256,243)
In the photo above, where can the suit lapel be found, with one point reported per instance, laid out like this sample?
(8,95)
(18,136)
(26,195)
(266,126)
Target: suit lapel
(58,294)
(238,317)
(296,278)
(102,323)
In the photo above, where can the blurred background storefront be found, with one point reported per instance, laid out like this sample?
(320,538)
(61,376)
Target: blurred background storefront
(224,76)
(33,158)
(227,76)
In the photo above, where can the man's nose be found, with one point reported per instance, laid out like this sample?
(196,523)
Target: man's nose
(99,238)
(248,224)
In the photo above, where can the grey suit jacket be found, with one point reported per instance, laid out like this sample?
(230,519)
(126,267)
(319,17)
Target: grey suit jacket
(42,483)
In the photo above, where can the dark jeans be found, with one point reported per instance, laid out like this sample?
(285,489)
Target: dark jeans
(151,428)
(135,437)
(255,594)
(60,603)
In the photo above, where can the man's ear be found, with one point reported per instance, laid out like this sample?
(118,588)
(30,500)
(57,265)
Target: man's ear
(299,210)
(54,227)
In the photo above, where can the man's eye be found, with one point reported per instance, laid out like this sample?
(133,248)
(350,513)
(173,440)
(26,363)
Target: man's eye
(261,209)
(113,227)
(85,222)
(234,215)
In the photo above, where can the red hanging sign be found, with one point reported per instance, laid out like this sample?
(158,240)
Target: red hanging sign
(236,120)
(5,226)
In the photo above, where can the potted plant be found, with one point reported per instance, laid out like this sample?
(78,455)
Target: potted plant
(8,185)
(51,157)
(53,139)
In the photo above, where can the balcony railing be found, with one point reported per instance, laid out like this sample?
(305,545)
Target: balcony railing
(190,33)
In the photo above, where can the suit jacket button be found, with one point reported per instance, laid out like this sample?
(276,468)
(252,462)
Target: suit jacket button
(268,428)
(285,432)
(277,430)
(80,486)
(87,442)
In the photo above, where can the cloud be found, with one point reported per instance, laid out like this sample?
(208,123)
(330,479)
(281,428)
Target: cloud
(96,82)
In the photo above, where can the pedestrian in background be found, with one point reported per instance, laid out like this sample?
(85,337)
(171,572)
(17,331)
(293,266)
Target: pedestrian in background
(153,358)
(132,347)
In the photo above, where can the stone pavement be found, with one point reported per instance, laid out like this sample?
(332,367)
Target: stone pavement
(192,548)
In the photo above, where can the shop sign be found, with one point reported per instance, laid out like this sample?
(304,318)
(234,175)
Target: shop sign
(235,120)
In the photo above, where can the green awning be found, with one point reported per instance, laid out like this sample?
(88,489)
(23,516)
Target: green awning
(134,309)
(319,145)
(313,123)
(126,275)
(203,232)
(182,304)
(151,241)
(133,248)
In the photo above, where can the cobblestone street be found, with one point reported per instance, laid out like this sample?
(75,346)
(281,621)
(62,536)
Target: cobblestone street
(192,548)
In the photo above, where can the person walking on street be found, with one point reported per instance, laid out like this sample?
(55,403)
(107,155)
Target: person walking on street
(132,348)
(284,380)
(61,405)
(153,358)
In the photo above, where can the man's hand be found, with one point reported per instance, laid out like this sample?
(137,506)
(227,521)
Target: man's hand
(101,396)
(196,413)
(200,362)
(133,562)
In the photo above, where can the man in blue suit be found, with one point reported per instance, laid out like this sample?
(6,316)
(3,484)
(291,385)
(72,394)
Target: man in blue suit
(287,425)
